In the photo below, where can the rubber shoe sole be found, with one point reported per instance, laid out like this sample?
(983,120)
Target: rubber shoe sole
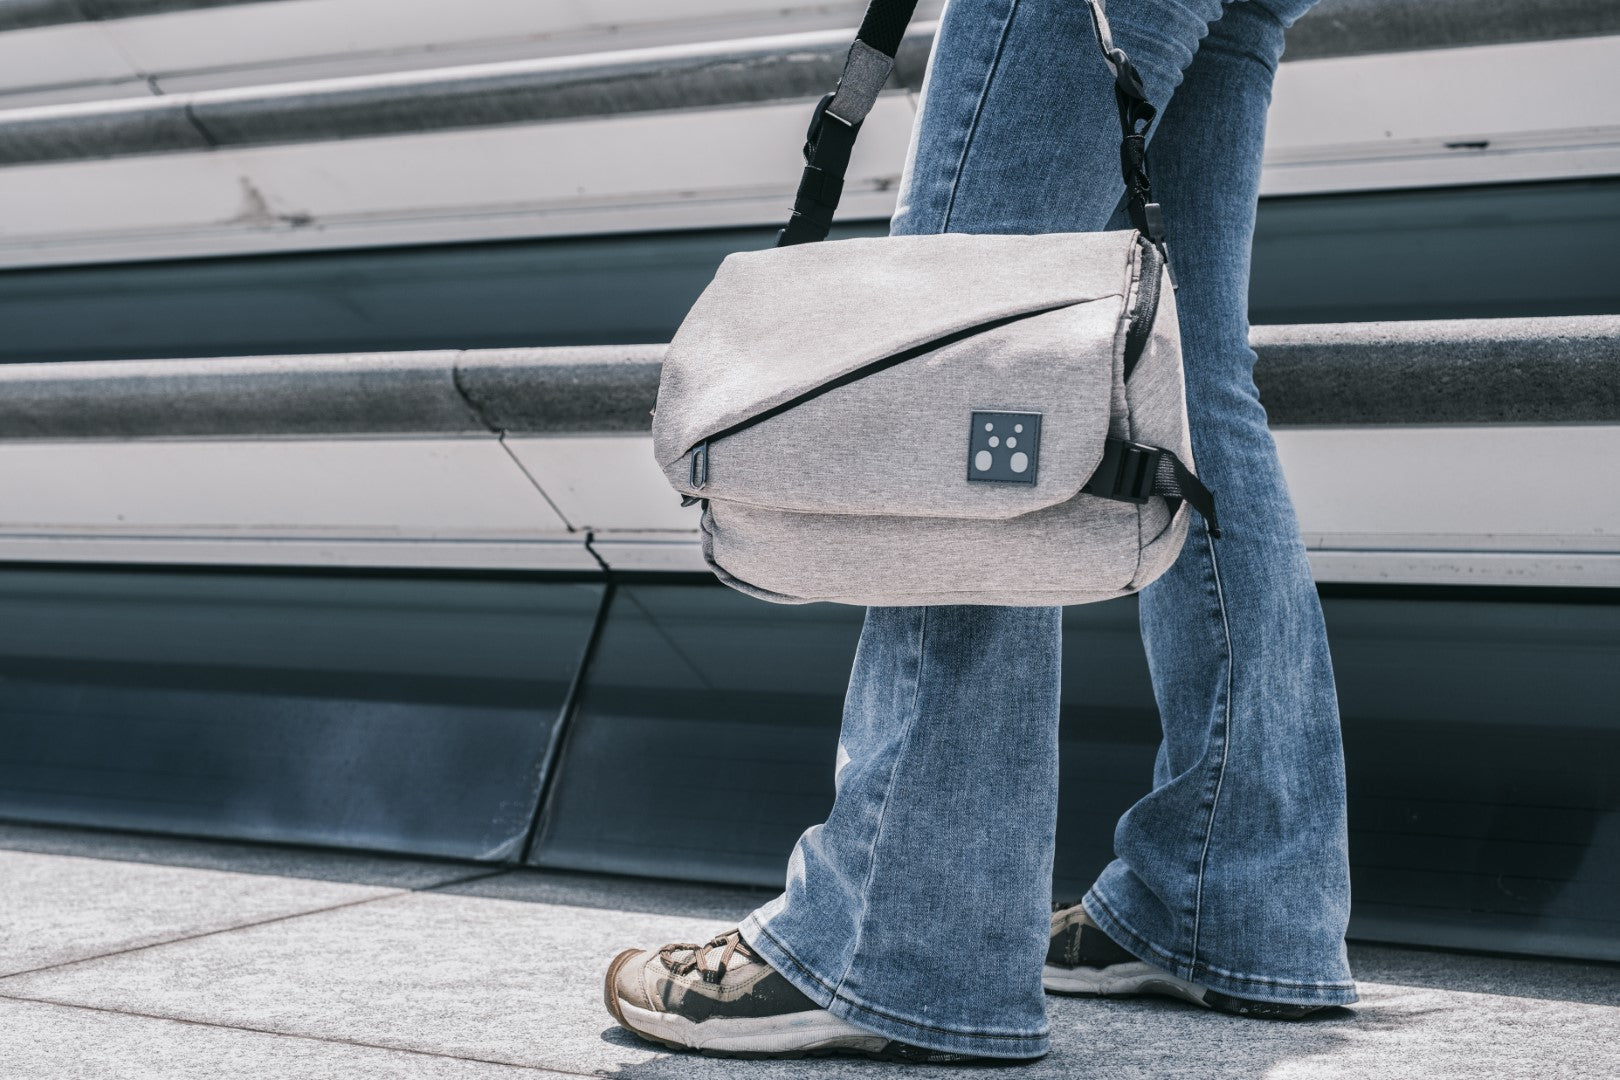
(794,1036)
(1119,980)
(1129,980)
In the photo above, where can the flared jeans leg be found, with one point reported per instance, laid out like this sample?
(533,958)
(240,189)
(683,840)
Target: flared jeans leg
(1234,871)
(919,908)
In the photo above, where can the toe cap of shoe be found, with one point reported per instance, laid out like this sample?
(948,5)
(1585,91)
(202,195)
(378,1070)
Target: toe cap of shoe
(626,980)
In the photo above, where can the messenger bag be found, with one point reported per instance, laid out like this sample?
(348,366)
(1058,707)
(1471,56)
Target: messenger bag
(942,419)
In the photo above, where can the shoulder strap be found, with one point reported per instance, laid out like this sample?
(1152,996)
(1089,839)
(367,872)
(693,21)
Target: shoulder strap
(838,116)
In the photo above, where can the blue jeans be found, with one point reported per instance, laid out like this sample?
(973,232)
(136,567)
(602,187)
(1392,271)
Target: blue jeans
(920,909)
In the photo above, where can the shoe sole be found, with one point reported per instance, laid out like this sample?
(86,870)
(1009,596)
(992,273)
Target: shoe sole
(1130,980)
(1119,980)
(798,1035)
(794,1035)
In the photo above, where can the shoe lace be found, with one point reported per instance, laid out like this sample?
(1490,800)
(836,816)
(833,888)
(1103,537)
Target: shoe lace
(730,943)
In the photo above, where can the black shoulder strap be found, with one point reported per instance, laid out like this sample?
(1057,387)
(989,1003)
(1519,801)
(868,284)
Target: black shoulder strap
(838,116)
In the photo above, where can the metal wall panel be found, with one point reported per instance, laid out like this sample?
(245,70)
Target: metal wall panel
(703,740)
(164,195)
(680,137)
(1483,252)
(401,714)
(1480,733)
(1530,249)
(1482,741)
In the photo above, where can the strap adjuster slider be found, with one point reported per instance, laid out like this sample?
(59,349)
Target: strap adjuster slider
(1127,472)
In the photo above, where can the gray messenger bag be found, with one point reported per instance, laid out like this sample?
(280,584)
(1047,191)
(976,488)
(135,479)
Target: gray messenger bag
(942,419)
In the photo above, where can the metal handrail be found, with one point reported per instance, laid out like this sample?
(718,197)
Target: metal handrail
(26,14)
(1463,371)
(678,77)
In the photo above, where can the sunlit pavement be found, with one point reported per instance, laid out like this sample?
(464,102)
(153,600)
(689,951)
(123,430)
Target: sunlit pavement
(138,957)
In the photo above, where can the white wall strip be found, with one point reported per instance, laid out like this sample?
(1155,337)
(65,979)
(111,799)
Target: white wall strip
(704,168)
(1497,505)
(1487,114)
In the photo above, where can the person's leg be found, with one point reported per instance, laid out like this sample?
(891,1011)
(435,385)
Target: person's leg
(1233,872)
(920,908)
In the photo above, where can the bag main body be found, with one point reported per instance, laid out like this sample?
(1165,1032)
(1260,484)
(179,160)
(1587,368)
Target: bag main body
(910,420)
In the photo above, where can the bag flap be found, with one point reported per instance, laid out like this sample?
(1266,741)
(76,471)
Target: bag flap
(994,425)
(778,323)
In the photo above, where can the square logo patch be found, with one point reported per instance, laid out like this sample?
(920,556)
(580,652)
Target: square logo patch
(1004,447)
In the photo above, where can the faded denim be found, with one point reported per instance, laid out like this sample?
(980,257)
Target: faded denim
(920,908)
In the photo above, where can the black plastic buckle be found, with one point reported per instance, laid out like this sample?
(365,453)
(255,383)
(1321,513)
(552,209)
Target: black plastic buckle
(817,118)
(699,474)
(1153,218)
(1128,472)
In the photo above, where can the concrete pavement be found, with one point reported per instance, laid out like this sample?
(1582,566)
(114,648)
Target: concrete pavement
(134,957)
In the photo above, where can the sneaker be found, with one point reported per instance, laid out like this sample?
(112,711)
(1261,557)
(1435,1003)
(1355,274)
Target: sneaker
(721,999)
(1084,960)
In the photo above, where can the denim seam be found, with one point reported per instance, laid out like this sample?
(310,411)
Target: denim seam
(883,811)
(848,999)
(978,111)
(1192,968)
(1226,746)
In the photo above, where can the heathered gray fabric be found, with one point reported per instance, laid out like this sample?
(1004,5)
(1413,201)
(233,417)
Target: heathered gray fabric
(895,442)
(1156,412)
(860,494)
(1073,553)
(775,323)
(1159,548)
(865,72)
(1156,396)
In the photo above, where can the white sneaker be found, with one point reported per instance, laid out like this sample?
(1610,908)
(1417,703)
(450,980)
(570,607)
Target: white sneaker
(722,999)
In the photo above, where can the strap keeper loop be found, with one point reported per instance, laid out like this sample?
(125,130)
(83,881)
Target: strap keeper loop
(821,187)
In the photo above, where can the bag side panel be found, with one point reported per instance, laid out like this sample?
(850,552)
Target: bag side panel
(1156,394)
(1119,420)
(1160,551)
(1157,400)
